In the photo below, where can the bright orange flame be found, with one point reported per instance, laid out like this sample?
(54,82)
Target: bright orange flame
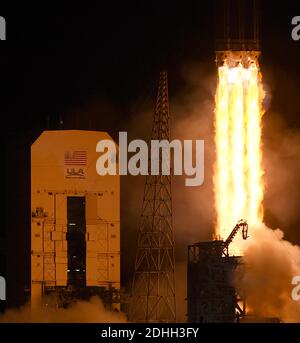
(238,183)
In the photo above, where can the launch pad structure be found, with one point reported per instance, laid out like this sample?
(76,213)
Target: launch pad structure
(211,294)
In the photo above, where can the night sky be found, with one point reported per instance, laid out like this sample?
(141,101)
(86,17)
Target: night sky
(57,60)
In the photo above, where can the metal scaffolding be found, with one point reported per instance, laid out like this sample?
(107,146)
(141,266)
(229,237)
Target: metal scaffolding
(153,288)
(211,293)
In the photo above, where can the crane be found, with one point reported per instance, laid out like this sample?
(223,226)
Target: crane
(241,224)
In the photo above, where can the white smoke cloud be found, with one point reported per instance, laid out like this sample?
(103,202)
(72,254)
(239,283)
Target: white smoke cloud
(270,264)
(91,311)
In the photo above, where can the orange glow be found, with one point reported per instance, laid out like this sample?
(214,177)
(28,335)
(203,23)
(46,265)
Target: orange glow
(238,183)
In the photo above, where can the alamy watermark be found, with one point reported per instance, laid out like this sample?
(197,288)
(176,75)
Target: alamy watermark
(2,28)
(2,288)
(146,160)
(296,290)
(296,29)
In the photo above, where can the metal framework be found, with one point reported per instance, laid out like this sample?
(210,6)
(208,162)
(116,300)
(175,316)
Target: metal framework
(212,296)
(153,288)
(242,224)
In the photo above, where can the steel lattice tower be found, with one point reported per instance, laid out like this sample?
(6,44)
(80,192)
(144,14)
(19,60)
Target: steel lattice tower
(153,288)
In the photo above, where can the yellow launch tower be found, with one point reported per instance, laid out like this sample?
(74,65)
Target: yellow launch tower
(75,220)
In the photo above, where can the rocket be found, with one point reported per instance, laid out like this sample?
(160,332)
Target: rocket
(237,32)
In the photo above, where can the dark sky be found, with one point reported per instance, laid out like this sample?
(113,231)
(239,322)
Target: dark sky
(59,58)
(63,55)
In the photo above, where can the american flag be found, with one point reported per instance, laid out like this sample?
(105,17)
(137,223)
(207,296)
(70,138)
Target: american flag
(75,158)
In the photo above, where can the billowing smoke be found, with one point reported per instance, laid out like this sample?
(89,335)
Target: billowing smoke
(271,262)
(91,311)
(192,114)
(281,150)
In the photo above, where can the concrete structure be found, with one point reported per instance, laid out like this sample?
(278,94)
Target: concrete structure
(75,220)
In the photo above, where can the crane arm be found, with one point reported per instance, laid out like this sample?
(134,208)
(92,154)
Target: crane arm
(241,224)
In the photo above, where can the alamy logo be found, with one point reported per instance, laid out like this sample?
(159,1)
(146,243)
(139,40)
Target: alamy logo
(155,159)
(296,29)
(2,28)
(296,290)
(2,288)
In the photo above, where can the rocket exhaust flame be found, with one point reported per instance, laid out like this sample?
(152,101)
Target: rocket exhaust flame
(238,184)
